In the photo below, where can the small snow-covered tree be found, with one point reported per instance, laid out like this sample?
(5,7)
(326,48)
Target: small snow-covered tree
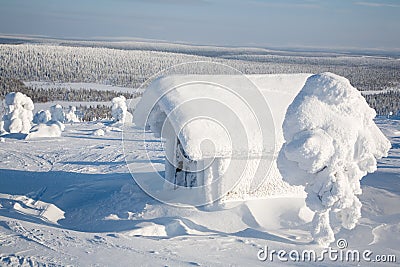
(331,143)
(57,113)
(71,115)
(42,116)
(18,117)
(119,110)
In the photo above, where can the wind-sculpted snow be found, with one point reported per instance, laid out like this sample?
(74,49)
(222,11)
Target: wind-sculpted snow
(18,115)
(331,143)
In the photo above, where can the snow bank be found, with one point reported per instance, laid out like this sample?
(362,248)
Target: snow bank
(331,143)
(71,116)
(42,116)
(119,110)
(45,130)
(57,113)
(18,115)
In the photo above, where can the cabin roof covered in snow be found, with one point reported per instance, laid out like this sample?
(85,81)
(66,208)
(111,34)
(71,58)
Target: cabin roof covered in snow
(219,115)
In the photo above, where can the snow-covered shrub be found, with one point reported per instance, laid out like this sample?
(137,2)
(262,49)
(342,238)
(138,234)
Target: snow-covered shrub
(42,116)
(71,116)
(57,113)
(331,143)
(119,110)
(44,130)
(19,114)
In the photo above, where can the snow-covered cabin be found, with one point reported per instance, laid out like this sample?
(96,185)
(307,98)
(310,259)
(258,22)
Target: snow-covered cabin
(219,130)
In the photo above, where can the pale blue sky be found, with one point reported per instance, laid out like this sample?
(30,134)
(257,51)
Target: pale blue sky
(287,23)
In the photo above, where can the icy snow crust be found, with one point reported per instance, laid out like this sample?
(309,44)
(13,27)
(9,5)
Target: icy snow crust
(331,143)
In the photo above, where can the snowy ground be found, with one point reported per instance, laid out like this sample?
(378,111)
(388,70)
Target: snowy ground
(72,201)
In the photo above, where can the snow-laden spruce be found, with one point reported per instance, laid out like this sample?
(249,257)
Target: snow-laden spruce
(19,115)
(331,143)
(57,113)
(119,110)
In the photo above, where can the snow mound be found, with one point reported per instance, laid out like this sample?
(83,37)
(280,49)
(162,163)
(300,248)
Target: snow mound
(168,229)
(18,115)
(45,130)
(331,143)
(119,110)
(98,132)
(42,116)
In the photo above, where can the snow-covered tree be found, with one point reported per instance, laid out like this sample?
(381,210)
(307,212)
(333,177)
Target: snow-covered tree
(71,116)
(57,113)
(119,110)
(18,117)
(42,116)
(331,143)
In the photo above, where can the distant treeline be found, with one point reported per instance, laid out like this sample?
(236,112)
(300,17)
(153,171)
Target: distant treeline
(41,95)
(385,102)
(130,68)
(94,112)
(84,112)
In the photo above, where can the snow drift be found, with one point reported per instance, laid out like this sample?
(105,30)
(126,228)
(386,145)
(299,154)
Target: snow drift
(331,143)
(18,115)
(71,115)
(51,129)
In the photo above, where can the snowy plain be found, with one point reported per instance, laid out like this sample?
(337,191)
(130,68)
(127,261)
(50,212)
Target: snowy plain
(72,201)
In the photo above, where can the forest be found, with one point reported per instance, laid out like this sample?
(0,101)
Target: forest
(132,68)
